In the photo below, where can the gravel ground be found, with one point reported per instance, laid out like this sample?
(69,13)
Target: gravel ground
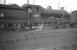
(59,39)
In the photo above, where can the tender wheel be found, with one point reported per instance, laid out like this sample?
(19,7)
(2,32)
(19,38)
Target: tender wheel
(67,25)
(1,26)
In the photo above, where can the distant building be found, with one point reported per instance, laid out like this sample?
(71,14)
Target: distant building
(62,8)
(74,16)
(35,8)
(49,7)
(2,1)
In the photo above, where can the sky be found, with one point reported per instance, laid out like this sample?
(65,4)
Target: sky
(70,5)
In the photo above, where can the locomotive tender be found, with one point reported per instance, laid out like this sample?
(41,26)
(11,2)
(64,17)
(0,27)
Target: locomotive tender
(15,17)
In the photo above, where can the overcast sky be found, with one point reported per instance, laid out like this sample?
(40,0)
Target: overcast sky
(70,5)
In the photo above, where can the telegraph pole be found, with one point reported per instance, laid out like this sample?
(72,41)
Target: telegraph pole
(58,5)
(27,1)
(33,1)
(4,2)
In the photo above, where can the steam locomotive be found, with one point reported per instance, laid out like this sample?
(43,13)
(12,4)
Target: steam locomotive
(16,18)
(58,18)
